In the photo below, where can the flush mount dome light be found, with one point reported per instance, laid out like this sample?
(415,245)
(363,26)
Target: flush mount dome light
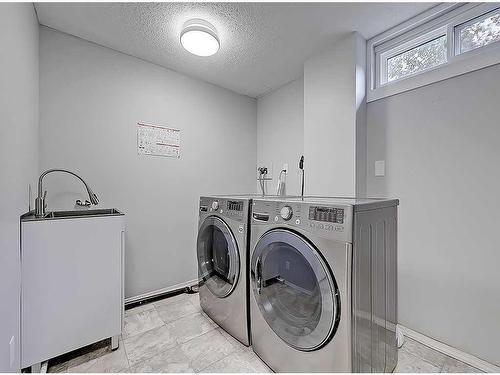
(200,38)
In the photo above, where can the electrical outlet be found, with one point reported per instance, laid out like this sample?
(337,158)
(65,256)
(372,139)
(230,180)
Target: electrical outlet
(12,347)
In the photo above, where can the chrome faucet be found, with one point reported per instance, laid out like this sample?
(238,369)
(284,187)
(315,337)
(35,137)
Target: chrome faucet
(40,204)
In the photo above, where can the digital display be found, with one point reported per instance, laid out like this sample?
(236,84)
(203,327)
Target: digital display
(328,214)
(235,205)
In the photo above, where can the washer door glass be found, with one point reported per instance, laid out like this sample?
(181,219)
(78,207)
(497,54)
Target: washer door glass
(218,259)
(295,290)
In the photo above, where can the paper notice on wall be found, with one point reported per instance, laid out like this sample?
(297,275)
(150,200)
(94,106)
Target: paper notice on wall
(158,140)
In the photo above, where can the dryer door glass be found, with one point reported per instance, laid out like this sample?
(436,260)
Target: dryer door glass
(295,290)
(218,259)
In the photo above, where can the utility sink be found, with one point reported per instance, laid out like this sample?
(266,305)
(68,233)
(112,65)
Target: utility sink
(82,213)
(72,262)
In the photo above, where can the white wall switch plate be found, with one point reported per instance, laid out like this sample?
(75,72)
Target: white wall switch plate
(380,168)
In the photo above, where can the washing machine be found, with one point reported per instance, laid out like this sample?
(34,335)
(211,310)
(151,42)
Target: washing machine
(323,284)
(222,253)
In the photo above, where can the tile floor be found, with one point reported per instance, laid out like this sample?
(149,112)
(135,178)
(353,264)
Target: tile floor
(174,335)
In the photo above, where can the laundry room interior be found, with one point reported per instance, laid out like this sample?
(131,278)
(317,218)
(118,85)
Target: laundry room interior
(249,187)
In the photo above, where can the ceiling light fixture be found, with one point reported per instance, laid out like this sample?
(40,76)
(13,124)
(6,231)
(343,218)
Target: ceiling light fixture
(200,38)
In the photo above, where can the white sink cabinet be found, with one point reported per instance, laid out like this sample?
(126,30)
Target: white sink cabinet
(72,290)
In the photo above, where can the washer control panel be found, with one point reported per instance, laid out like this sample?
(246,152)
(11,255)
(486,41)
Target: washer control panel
(234,205)
(329,221)
(286,213)
(236,209)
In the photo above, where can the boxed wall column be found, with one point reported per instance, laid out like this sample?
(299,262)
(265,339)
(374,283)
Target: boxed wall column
(335,120)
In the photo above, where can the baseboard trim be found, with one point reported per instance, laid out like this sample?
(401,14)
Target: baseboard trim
(159,292)
(449,350)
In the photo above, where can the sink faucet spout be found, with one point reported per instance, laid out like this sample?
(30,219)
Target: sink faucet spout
(40,200)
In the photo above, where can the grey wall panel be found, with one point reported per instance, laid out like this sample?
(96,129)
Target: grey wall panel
(91,100)
(280,134)
(18,157)
(441,144)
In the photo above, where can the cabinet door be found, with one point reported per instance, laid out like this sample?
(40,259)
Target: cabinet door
(71,287)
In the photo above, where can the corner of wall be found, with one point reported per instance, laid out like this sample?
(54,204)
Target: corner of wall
(361,125)
(19,40)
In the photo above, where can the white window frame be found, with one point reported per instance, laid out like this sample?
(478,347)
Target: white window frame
(460,26)
(387,54)
(440,20)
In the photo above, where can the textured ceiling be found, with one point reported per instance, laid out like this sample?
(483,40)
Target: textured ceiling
(263,45)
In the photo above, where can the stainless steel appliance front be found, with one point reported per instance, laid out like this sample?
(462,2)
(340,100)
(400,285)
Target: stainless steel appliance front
(300,281)
(222,263)
(322,284)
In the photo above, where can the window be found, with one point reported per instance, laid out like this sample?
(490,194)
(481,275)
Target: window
(446,41)
(420,58)
(479,32)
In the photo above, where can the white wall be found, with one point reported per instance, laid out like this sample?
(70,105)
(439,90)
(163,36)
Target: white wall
(280,134)
(91,98)
(18,156)
(334,118)
(441,144)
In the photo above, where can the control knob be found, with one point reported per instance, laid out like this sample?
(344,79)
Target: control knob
(215,205)
(286,212)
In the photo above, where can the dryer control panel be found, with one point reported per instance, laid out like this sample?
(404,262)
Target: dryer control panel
(327,214)
(328,221)
(236,209)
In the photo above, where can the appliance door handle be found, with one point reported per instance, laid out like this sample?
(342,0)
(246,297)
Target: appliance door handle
(257,216)
(258,275)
